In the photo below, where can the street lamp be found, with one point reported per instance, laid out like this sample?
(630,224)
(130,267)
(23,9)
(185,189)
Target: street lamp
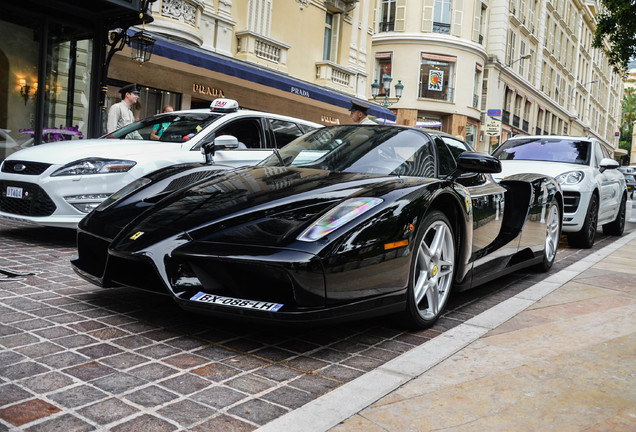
(523,57)
(386,81)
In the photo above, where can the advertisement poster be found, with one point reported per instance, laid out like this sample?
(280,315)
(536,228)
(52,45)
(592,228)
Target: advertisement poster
(435,80)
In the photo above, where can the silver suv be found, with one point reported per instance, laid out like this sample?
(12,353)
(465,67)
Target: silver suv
(594,190)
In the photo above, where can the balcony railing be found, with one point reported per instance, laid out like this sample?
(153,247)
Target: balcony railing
(515,121)
(252,46)
(441,27)
(331,73)
(505,116)
(387,26)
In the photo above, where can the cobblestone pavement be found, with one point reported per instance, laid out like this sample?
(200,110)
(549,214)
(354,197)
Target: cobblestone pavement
(75,357)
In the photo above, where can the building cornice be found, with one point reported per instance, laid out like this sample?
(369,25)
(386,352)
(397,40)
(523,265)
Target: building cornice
(434,39)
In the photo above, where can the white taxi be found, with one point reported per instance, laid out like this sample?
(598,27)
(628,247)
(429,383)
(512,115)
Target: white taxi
(57,184)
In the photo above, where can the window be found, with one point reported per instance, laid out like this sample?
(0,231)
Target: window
(284,131)
(476,85)
(441,16)
(383,66)
(482,23)
(437,75)
(512,39)
(248,131)
(388,16)
(332,35)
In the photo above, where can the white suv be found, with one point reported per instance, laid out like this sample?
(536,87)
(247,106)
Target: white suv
(594,190)
(57,184)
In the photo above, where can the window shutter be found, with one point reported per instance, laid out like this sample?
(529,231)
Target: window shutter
(376,21)
(457,17)
(427,16)
(400,15)
(335,37)
(476,20)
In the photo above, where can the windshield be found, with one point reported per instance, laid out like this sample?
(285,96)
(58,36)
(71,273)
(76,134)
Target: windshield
(171,127)
(545,149)
(360,149)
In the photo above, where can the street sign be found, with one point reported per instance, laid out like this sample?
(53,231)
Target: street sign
(493,127)
(494,112)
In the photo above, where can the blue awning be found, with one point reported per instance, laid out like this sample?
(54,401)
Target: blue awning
(226,65)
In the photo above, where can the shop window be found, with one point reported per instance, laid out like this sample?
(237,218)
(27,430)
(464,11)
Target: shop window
(383,66)
(471,134)
(437,75)
(151,100)
(18,84)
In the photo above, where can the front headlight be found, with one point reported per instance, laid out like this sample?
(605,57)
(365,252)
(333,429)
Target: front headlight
(338,216)
(94,166)
(570,177)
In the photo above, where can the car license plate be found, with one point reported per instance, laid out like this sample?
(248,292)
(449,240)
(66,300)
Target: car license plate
(240,303)
(14,192)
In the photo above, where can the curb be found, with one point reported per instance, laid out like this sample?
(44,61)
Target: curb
(329,410)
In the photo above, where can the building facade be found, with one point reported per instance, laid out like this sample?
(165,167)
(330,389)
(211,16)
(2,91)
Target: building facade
(301,58)
(525,65)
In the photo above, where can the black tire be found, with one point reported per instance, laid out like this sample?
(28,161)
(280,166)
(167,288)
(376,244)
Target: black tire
(432,270)
(616,227)
(585,237)
(552,236)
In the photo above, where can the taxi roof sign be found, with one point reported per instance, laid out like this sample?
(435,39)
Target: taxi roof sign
(224,105)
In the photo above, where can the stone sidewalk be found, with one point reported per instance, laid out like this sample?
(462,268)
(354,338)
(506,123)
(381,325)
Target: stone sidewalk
(560,356)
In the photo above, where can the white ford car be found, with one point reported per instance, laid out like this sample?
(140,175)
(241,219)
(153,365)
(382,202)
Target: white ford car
(57,184)
(594,190)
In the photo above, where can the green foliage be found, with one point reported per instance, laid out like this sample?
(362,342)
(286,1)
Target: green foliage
(617,25)
(628,118)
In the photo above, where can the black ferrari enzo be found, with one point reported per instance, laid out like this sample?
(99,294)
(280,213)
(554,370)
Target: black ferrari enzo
(343,222)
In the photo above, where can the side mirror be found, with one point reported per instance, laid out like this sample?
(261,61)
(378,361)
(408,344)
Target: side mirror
(607,163)
(223,142)
(478,162)
(227,142)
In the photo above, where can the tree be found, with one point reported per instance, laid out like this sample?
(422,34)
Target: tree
(616,23)
(627,120)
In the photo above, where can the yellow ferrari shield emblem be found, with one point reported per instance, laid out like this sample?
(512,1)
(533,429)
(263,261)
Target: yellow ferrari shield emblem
(136,235)
(435,271)
(468,204)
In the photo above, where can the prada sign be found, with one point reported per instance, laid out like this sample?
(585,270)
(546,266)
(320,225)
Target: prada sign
(207,90)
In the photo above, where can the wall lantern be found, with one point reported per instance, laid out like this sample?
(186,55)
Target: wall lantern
(24,90)
(141,47)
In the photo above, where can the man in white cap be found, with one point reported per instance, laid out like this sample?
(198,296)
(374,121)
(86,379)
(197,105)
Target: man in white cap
(120,114)
(358,113)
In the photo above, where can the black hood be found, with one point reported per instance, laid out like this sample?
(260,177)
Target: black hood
(257,206)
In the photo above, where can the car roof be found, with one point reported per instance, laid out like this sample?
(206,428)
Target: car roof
(246,112)
(552,137)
